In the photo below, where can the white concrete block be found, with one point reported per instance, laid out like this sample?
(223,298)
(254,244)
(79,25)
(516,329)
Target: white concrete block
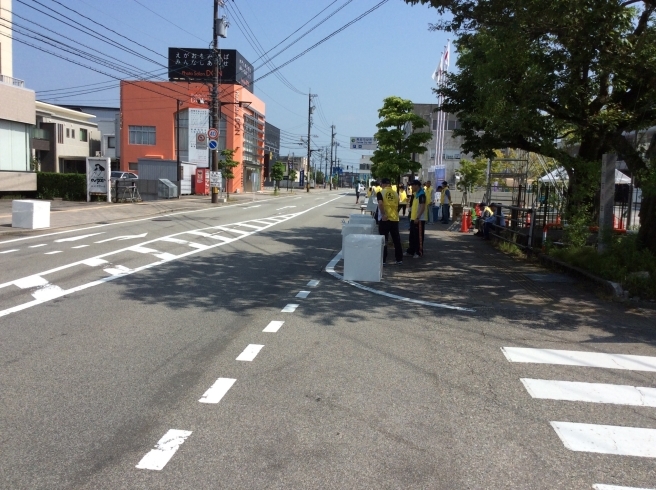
(358,229)
(30,214)
(361,219)
(363,257)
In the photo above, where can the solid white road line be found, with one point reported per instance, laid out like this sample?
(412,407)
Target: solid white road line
(330,269)
(53,253)
(303,294)
(165,256)
(80,246)
(285,207)
(313,283)
(121,238)
(252,207)
(607,439)
(76,238)
(31,282)
(580,358)
(591,392)
(198,246)
(39,245)
(143,250)
(177,240)
(119,270)
(249,352)
(241,232)
(9,251)
(273,326)
(250,226)
(164,450)
(217,391)
(599,486)
(290,308)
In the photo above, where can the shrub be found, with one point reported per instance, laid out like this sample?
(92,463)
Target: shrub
(72,187)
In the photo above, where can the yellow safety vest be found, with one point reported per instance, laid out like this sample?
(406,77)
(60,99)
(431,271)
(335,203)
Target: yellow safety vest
(390,204)
(403,197)
(415,207)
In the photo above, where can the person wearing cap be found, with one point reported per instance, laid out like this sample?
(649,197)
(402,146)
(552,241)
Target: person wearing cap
(388,220)
(445,201)
(417,220)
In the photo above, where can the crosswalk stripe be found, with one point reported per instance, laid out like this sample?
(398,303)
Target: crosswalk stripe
(591,392)
(251,226)
(580,358)
(607,439)
(233,230)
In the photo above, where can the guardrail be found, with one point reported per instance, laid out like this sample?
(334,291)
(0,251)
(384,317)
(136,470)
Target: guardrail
(16,82)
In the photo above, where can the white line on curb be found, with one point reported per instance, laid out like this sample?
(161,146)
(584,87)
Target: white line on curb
(330,269)
(217,391)
(166,447)
(249,352)
(273,326)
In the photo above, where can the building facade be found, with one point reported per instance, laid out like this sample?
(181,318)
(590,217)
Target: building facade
(64,138)
(17,118)
(271,148)
(107,119)
(148,121)
(452,150)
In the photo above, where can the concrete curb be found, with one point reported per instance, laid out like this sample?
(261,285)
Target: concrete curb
(613,288)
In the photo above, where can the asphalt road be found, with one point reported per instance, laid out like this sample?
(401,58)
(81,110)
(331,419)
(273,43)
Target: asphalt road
(132,361)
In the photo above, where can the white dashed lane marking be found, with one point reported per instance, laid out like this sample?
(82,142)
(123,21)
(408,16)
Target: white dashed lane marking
(164,450)
(303,294)
(313,283)
(217,391)
(9,251)
(290,308)
(273,326)
(76,238)
(52,253)
(250,352)
(39,245)
(80,246)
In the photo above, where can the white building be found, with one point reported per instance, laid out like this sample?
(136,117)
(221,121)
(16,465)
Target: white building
(64,138)
(17,118)
(107,119)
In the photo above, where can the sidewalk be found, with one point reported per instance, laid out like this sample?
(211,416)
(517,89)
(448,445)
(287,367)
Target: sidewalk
(68,214)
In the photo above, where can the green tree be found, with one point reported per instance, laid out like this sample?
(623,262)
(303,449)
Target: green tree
(319,177)
(292,178)
(226,164)
(399,135)
(277,173)
(565,79)
(472,174)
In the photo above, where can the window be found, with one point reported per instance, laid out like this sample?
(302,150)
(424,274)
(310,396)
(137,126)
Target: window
(73,133)
(60,133)
(111,141)
(84,135)
(68,133)
(142,135)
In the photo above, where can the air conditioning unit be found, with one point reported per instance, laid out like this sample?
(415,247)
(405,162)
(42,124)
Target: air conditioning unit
(98,154)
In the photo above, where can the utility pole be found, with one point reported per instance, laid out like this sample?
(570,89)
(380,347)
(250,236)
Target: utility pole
(332,144)
(215,97)
(309,153)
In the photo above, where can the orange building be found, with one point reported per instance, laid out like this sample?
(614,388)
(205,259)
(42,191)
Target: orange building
(148,126)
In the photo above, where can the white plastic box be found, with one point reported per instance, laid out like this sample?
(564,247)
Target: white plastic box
(361,218)
(363,257)
(358,229)
(30,214)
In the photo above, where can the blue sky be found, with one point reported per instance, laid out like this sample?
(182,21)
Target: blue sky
(388,52)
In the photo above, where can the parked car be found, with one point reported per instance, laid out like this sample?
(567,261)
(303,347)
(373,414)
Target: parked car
(116,175)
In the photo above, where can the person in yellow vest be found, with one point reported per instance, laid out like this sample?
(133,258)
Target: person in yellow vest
(388,220)
(418,215)
(430,197)
(445,201)
(403,200)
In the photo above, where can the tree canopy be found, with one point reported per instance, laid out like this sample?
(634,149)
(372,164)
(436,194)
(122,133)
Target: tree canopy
(570,80)
(398,139)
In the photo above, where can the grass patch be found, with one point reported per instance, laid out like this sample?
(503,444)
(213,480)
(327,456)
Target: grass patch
(623,262)
(510,249)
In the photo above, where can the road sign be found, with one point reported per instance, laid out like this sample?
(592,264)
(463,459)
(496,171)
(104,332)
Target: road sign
(201,141)
(290,165)
(213,133)
(302,178)
(213,144)
(363,143)
(215,179)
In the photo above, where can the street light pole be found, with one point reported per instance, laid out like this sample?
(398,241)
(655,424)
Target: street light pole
(332,143)
(215,97)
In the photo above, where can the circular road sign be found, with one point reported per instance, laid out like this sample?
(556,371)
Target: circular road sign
(213,144)
(213,133)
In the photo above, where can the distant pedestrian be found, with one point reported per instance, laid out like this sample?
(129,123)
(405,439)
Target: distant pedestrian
(403,200)
(445,201)
(388,223)
(358,189)
(438,203)
(430,198)
(417,221)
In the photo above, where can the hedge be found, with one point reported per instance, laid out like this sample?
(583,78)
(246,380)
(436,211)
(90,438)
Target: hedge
(72,187)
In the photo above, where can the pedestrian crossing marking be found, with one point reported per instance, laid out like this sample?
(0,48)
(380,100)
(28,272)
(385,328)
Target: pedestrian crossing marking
(580,358)
(636,396)
(607,439)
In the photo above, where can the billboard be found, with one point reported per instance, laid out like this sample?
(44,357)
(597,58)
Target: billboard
(363,143)
(197,65)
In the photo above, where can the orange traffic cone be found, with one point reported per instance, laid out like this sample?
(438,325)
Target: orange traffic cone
(463,223)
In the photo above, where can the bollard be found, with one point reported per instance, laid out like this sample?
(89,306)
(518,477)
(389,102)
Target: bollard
(463,223)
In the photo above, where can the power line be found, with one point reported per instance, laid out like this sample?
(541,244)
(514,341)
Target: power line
(334,33)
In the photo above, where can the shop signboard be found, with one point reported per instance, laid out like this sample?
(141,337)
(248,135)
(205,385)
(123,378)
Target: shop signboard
(98,181)
(197,65)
